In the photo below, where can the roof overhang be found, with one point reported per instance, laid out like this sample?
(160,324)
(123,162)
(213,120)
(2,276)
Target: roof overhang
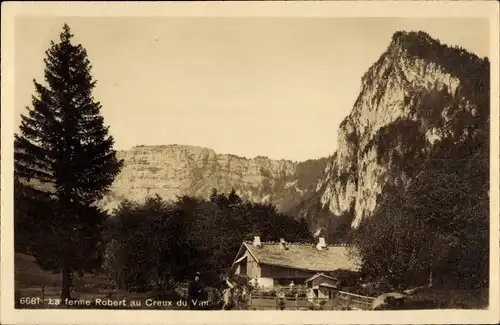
(328,285)
(324,285)
(240,259)
(287,266)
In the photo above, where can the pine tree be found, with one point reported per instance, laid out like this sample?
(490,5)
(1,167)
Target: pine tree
(234,198)
(64,149)
(214,195)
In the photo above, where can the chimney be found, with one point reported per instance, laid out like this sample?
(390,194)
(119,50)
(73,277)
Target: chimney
(283,244)
(256,241)
(321,244)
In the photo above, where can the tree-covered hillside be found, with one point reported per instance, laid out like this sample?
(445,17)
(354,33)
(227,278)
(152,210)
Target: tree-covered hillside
(162,243)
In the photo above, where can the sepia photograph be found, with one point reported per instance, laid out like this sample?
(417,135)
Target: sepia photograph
(239,164)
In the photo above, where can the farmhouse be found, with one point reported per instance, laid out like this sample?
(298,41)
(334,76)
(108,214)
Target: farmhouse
(271,264)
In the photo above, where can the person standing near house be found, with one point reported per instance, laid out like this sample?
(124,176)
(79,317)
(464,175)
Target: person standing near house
(195,292)
(292,286)
(281,297)
(227,294)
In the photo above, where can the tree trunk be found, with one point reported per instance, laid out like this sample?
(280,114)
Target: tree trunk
(119,281)
(66,284)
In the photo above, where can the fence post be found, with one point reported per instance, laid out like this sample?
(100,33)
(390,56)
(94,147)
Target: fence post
(296,301)
(277,302)
(250,301)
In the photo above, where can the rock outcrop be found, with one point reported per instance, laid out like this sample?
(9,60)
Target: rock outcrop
(176,170)
(408,101)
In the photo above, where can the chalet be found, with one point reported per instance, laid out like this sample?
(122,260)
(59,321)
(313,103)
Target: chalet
(270,264)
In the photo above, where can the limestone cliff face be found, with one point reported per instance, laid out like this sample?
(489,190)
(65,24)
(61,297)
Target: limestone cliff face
(176,170)
(407,100)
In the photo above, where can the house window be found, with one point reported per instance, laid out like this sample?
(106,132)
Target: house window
(282,281)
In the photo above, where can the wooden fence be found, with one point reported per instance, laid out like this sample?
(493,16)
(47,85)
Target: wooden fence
(341,301)
(353,301)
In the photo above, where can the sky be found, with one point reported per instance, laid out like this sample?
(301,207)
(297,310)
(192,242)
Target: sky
(276,87)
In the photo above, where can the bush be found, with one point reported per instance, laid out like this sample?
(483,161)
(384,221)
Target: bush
(267,293)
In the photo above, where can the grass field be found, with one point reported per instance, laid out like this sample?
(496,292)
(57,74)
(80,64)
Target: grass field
(30,278)
(456,299)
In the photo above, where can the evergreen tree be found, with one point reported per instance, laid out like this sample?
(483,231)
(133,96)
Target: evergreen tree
(64,149)
(213,196)
(234,198)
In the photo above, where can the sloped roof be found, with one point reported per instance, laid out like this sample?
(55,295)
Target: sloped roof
(303,256)
(318,275)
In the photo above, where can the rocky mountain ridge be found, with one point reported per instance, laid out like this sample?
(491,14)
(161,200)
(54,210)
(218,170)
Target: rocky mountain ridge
(176,170)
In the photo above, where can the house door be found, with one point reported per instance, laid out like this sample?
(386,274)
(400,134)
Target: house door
(243,267)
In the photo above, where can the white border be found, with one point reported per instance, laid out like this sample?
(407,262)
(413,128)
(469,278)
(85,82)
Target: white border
(486,9)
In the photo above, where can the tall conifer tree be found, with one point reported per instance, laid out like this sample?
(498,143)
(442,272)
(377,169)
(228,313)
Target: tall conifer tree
(64,151)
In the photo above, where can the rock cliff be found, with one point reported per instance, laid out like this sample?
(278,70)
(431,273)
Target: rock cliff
(176,170)
(410,99)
